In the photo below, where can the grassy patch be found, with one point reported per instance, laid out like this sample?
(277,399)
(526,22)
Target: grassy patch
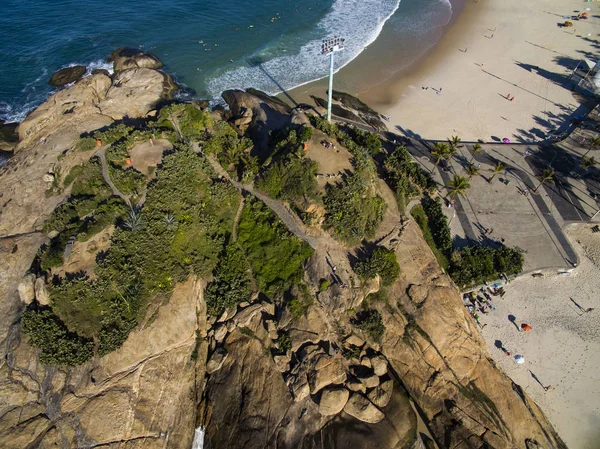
(275,254)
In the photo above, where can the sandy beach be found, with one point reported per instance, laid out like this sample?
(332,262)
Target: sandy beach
(492,49)
(563,349)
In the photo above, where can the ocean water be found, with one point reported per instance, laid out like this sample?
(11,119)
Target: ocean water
(209,45)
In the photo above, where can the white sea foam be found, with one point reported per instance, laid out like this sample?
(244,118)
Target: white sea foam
(359,21)
(31,96)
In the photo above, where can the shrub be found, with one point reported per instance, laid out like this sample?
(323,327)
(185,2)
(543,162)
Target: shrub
(352,213)
(59,346)
(419,215)
(406,178)
(113,134)
(382,262)
(189,121)
(477,264)
(85,144)
(231,284)
(371,323)
(438,224)
(324,285)
(284,342)
(140,266)
(306,133)
(290,178)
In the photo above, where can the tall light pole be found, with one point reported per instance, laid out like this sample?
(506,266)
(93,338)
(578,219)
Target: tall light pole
(329,47)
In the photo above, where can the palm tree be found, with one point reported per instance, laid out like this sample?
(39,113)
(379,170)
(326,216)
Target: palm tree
(595,143)
(458,186)
(477,149)
(440,151)
(454,142)
(587,162)
(547,176)
(472,170)
(497,169)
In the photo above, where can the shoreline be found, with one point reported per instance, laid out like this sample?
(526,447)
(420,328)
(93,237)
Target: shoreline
(374,62)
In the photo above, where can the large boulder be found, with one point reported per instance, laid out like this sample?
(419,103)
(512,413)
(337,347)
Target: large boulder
(361,408)
(327,370)
(8,136)
(333,401)
(380,365)
(244,316)
(67,75)
(27,288)
(41,292)
(381,395)
(216,361)
(131,58)
(299,387)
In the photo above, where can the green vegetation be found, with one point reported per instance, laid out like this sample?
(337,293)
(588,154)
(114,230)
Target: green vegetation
(284,343)
(60,347)
(85,144)
(421,218)
(477,264)
(276,256)
(182,228)
(126,179)
(438,224)
(231,284)
(405,177)
(90,209)
(290,178)
(382,262)
(371,323)
(458,186)
(468,266)
(351,352)
(324,285)
(113,134)
(188,121)
(352,212)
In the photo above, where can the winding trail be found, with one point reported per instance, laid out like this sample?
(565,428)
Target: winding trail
(101,153)
(290,219)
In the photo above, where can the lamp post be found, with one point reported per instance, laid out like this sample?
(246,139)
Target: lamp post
(329,47)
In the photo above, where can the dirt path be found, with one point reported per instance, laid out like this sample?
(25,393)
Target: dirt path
(293,223)
(236,220)
(101,153)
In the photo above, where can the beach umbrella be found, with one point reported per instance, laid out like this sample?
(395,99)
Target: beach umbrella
(526,327)
(506,140)
(519,359)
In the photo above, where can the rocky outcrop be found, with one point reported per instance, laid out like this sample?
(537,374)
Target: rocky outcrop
(131,58)
(8,137)
(67,75)
(143,393)
(437,352)
(333,401)
(257,113)
(361,408)
(216,361)
(27,289)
